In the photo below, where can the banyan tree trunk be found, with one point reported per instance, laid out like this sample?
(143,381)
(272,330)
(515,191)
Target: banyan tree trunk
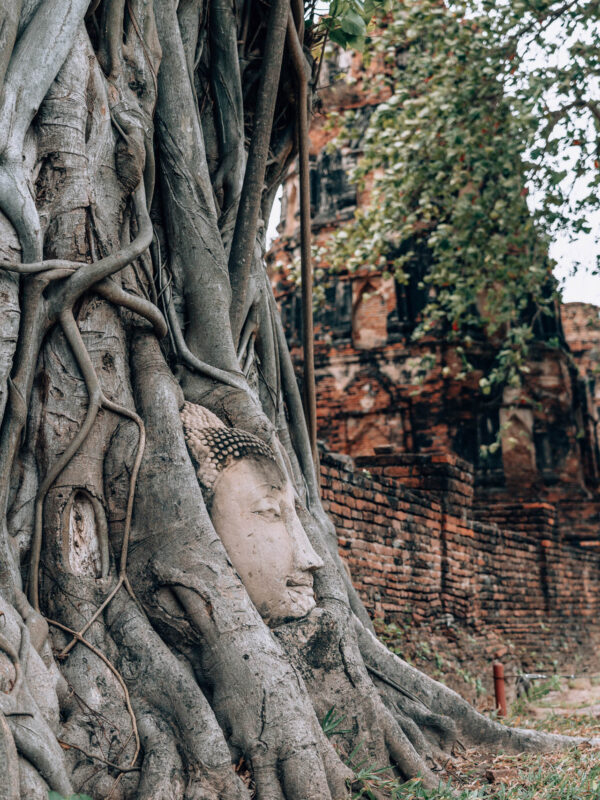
(141,146)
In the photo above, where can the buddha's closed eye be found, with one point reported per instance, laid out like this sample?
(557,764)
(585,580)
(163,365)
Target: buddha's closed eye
(267,509)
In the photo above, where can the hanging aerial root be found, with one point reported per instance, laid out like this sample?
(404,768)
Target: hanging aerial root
(194,363)
(97,400)
(86,275)
(302,71)
(82,357)
(123,580)
(35,267)
(39,313)
(82,276)
(145,308)
(59,268)
(79,278)
(242,246)
(35,323)
(22,94)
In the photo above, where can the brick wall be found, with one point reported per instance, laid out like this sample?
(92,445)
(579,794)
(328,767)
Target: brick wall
(421,551)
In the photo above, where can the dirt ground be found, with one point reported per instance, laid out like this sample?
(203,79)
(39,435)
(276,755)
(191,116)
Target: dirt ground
(575,697)
(561,705)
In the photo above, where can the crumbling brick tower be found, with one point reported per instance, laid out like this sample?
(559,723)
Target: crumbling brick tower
(379,402)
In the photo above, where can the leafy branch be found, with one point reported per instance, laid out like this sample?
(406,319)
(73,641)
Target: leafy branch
(489,118)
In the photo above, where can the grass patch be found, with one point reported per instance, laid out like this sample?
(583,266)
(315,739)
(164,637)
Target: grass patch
(570,775)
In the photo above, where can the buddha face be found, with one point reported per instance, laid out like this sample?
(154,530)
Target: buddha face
(253,511)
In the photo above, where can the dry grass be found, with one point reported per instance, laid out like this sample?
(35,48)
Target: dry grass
(573,774)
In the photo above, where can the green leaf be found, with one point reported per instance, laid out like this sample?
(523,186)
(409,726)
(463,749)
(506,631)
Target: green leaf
(338,36)
(353,24)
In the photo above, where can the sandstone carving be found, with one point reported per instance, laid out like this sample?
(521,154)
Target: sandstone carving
(252,507)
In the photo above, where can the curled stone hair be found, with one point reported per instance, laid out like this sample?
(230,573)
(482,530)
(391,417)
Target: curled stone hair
(213,446)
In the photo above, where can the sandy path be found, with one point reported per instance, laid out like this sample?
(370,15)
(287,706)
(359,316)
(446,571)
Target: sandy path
(577,696)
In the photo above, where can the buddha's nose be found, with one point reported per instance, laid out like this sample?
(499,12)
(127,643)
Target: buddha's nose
(306,558)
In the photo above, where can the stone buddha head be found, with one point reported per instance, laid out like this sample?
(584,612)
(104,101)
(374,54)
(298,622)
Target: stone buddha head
(252,506)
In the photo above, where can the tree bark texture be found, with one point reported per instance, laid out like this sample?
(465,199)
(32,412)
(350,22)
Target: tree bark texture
(141,145)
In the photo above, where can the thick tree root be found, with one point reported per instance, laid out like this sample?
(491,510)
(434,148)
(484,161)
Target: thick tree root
(21,708)
(164,692)
(187,559)
(336,679)
(97,400)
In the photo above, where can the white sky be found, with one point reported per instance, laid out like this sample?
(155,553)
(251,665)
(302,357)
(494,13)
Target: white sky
(583,286)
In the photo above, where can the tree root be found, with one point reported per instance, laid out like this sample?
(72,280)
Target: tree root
(202,632)
(226,82)
(30,731)
(97,400)
(329,661)
(198,591)
(115,294)
(21,97)
(94,757)
(9,783)
(302,71)
(38,317)
(244,237)
(162,689)
(7,648)
(87,275)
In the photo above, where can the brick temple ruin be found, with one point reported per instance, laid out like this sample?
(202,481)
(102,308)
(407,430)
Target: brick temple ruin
(508,544)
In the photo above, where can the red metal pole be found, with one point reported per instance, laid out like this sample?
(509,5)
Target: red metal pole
(499,689)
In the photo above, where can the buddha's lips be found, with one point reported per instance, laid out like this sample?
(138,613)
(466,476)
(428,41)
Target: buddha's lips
(300,585)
